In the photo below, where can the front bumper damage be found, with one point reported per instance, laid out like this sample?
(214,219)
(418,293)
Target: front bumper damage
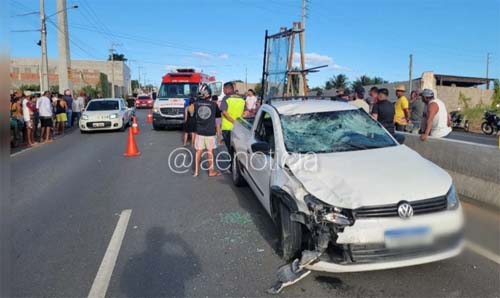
(359,245)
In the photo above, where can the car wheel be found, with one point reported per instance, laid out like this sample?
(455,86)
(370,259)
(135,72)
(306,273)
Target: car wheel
(290,234)
(156,127)
(83,132)
(124,126)
(238,180)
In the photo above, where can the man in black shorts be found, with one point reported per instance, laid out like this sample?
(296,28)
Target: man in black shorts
(44,106)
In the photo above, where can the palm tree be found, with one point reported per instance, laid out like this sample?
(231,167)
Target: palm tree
(361,81)
(378,81)
(338,81)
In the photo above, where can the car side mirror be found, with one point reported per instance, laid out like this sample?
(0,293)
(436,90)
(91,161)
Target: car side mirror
(400,138)
(261,146)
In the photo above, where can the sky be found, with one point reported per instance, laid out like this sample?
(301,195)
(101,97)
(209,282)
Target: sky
(226,37)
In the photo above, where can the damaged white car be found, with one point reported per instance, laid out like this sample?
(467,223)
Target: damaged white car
(342,189)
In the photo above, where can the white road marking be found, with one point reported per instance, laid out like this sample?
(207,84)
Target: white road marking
(101,281)
(482,251)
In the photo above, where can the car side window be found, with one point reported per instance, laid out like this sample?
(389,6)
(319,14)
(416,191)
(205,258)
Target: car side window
(265,130)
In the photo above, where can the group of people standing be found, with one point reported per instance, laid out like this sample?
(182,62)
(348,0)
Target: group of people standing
(423,114)
(208,121)
(41,117)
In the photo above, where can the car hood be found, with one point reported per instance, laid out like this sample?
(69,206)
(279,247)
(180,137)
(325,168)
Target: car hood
(369,177)
(100,114)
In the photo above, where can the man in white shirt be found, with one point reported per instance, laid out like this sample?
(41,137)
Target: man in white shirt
(359,101)
(78,106)
(44,106)
(27,118)
(438,120)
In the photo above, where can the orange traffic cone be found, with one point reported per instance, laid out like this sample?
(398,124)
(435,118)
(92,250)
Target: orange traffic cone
(131,150)
(135,126)
(150,117)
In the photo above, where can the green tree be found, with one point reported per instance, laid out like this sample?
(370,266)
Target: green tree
(103,85)
(90,91)
(496,94)
(32,87)
(378,81)
(117,57)
(54,88)
(337,81)
(258,89)
(135,84)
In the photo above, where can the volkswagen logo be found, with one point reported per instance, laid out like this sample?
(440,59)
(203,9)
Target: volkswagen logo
(405,210)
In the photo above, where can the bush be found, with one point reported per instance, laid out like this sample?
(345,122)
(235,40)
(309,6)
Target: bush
(475,115)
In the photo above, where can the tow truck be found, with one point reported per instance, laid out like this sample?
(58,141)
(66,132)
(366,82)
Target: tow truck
(175,91)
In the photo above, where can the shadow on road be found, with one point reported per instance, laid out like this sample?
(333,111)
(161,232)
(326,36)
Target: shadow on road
(163,269)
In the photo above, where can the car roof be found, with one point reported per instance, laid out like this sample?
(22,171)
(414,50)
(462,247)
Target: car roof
(105,99)
(293,107)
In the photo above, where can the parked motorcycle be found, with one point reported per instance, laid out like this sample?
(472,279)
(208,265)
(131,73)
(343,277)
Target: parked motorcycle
(491,123)
(457,119)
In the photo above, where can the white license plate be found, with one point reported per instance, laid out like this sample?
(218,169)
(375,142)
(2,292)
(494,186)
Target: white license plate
(99,124)
(408,237)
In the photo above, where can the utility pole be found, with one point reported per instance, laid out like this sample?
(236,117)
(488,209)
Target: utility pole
(63,48)
(139,80)
(487,71)
(302,38)
(112,52)
(44,63)
(411,73)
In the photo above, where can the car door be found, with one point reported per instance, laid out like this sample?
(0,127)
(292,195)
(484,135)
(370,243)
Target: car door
(260,165)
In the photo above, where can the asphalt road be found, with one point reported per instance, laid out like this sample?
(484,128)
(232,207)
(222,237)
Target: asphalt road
(186,236)
(475,138)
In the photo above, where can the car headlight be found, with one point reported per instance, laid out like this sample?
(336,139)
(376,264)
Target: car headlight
(156,110)
(150,101)
(85,117)
(113,116)
(323,212)
(452,198)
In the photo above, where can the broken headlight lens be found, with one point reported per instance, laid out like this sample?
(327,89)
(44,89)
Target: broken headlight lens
(323,212)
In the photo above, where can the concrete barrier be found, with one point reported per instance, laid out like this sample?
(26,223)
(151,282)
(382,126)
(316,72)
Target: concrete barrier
(475,168)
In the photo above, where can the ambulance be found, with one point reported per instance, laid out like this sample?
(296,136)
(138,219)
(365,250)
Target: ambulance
(174,94)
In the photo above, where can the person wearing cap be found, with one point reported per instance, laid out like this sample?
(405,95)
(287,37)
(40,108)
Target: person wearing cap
(205,112)
(359,101)
(438,120)
(401,109)
(383,110)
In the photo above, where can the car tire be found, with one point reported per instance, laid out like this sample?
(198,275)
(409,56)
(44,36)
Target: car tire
(237,178)
(123,127)
(290,234)
(156,127)
(83,132)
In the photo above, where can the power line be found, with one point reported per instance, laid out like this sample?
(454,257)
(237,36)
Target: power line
(71,41)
